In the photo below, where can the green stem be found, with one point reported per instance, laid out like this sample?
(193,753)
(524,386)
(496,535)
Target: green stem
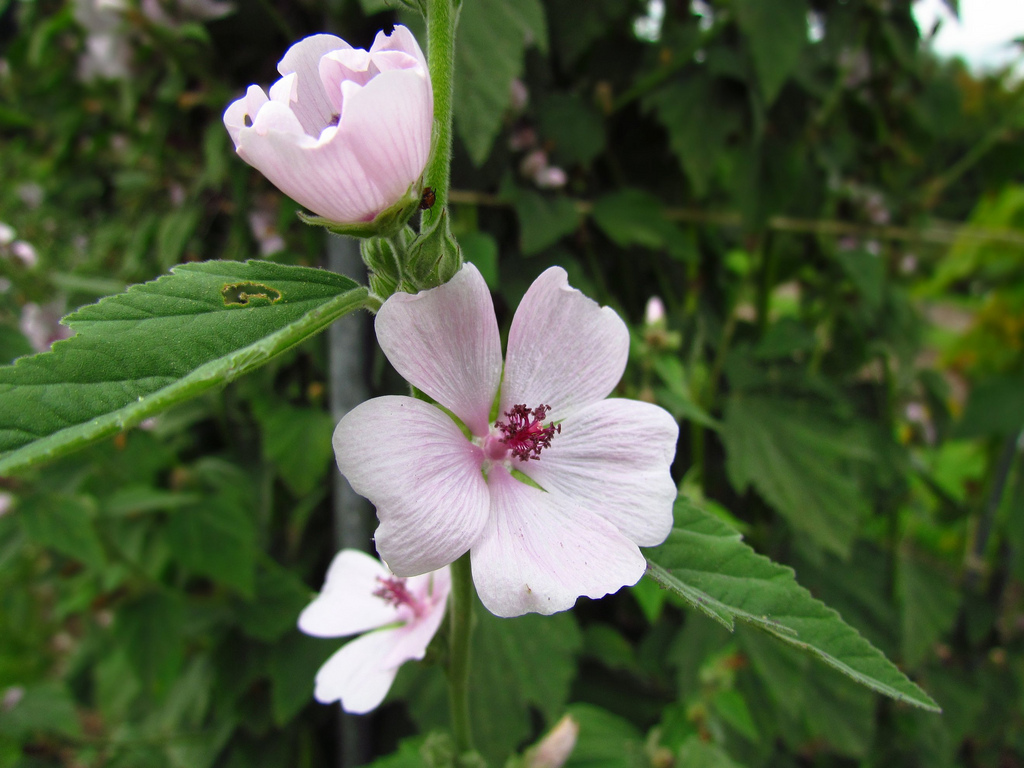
(460,626)
(442,18)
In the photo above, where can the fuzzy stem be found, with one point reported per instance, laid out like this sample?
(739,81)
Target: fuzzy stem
(460,627)
(442,18)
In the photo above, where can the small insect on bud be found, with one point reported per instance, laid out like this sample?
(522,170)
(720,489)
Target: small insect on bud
(427,201)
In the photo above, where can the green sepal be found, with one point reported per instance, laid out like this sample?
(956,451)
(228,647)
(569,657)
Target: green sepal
(434,257)
(387,223)
(384,258)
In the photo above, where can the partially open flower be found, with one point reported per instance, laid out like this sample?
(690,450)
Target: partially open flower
(398,616)
(345,131)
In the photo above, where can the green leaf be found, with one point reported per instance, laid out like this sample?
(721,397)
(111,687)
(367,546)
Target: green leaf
(633,217)
(64,523)
(157,344)
(149,629)
(605,740)
(777,32)
(480,249)
(827,707)
(280,597)
(294,662)
(543,219)
(699,120)
(705,562)
(493,35)
(697,752)
(298,442)
(517,664)
(930,604)
(216,537)
(45,707)
(572,127)
(799,460)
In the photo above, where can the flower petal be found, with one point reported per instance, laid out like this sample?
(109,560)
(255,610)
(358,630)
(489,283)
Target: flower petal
(347,605)
(613,458)
(357,675)
(352,172)
(445,342)
(417,634)
(415,465)
(247,106)
(539,551)
(400,39)
(564,350)
(312,106)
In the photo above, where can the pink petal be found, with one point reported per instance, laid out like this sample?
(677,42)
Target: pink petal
(347,605)
(415,465)
(417,634)
(445,342)
(400,39)
(249,105)
(613,458)
(539,551)
(312,106)
(352,172)
(357,674)
(563,349)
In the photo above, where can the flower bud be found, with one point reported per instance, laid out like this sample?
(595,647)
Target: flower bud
(554,749)
(345,132)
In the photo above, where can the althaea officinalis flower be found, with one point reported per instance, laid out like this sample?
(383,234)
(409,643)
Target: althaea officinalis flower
(345,132)
(554,496)
(398,616)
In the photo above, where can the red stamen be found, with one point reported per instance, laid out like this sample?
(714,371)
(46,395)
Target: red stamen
(393,590)
(525,434)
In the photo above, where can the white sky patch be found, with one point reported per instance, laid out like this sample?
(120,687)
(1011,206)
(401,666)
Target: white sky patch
(982,37)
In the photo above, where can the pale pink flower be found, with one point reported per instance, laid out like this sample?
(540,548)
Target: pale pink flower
(345,131)
(398,616)
(603,464)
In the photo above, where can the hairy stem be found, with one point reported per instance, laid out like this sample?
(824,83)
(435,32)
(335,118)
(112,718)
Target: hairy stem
(442,18)
(460,627)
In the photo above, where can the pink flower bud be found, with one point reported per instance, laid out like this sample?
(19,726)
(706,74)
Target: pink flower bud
(345,131)
(554,749)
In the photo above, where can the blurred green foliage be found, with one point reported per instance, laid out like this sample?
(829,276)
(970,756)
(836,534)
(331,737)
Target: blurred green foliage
(847,365)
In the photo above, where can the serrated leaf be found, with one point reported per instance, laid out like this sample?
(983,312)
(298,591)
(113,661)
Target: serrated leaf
(157,344)
(493,34)
(777,32)
(798,459)
(706,563)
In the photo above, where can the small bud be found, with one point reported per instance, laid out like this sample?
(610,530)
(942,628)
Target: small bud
(554,749)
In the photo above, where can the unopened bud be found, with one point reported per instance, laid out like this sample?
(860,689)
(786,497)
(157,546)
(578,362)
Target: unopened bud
(554,749)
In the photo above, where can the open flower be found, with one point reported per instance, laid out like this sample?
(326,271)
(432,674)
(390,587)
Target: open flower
(552,498)
(345,131)
(399,616)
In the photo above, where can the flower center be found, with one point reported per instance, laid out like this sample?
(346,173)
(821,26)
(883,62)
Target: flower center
(394,591)
(524,432)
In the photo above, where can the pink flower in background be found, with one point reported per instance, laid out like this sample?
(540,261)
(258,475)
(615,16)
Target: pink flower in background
(398,616)
(41,324)
(603,464)
(345,131)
